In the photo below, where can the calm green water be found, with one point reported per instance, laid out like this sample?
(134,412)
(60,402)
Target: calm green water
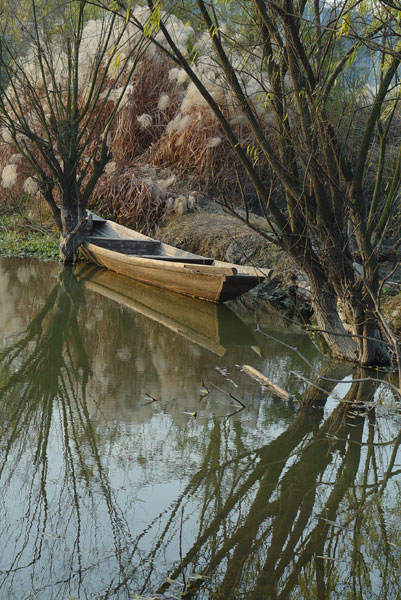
(121,478)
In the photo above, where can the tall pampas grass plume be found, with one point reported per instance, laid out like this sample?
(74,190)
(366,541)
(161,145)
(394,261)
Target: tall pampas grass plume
(9,176)
(164,136)
(144,120)
(31,187)
(213,142)
(164,102)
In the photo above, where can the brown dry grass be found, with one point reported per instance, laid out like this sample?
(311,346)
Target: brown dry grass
(128,139)
(130,200)
(187,151)
(126,194)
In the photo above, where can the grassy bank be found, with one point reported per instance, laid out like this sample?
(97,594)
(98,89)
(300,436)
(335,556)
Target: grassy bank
(23,237)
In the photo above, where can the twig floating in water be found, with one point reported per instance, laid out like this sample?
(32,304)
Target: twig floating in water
(152,399)
(225,375)
(238,400)
(229,394)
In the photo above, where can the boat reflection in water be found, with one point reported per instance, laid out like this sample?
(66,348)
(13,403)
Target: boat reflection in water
(210,325)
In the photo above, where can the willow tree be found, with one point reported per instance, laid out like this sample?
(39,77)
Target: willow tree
(63,78)
(282,66)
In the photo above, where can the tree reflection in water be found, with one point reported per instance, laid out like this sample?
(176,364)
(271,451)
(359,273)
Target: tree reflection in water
(44,375)
(311,513)
(308,516)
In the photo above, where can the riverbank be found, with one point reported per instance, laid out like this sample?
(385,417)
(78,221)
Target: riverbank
(227,238)
(209,232)
(21,236)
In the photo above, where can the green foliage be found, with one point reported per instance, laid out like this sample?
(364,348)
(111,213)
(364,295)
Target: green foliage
(345,25)
(153,23)
(17,241)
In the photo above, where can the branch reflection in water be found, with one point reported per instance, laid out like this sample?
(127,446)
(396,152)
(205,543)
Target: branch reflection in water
(45,494)
(103,497)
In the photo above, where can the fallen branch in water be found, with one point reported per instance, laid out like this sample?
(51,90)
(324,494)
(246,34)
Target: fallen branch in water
(265,381)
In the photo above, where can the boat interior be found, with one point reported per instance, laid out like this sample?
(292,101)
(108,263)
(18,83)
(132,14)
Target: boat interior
(104,236)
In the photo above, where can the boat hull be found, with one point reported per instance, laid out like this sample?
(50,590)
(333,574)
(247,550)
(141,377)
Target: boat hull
(215,284)
(120,249)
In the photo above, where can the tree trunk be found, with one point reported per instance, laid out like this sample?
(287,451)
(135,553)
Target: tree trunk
(73,238)
(362,343)
(371,349)
(339,341)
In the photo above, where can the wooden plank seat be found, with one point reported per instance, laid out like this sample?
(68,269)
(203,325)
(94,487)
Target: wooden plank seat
(127,246)
(196,260)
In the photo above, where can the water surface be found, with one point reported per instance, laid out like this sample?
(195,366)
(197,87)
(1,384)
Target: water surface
(130,468)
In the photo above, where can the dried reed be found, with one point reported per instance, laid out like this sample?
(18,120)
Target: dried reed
(198,148)
(130,200)
(163,123)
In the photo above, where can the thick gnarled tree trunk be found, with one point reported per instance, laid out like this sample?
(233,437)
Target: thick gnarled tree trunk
(355,334)
(73,234)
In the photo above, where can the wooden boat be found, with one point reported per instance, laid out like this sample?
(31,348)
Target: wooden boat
(207,324)
(140,257)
